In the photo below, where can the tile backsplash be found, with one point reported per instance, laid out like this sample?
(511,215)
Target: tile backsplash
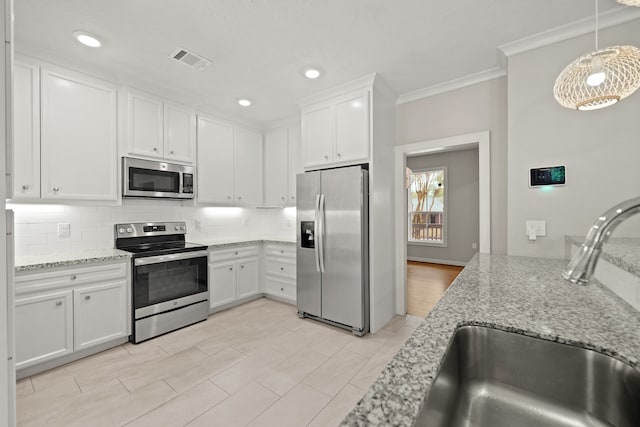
(36,226)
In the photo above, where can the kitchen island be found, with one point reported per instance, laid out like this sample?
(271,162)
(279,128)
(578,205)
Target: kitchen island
(516,294)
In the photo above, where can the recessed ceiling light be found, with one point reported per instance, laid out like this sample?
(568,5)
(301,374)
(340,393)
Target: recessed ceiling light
(312,73)
(244,102)
(87,39)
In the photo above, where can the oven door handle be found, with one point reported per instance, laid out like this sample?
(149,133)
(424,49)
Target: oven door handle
(166,258)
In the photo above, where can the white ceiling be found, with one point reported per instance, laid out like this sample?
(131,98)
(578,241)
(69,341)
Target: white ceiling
(259,48)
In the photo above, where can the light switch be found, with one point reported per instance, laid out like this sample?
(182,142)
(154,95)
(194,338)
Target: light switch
(64,229)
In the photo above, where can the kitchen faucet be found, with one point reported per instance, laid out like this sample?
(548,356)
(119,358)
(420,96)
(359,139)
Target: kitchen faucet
(583,263)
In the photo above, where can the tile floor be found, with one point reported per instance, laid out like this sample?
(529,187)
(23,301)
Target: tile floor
(257,364)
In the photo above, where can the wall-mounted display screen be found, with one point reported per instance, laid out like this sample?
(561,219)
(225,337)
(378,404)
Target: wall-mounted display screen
(551,175)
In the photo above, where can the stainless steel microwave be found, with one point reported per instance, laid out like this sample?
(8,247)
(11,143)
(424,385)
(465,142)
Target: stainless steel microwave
(148,178)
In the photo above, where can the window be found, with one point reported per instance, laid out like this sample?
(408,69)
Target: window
(427,207)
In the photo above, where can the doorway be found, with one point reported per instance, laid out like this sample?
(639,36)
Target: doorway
(426,283)
(478,140)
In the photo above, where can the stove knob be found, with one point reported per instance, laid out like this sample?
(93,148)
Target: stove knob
(177,228)
(121,230)
(129,230)
(182,227)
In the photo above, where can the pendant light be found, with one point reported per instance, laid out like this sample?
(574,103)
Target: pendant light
(600,78)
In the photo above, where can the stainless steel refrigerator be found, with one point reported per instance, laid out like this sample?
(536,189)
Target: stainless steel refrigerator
(332,247)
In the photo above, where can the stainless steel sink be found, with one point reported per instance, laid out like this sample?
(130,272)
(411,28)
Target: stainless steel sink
(502,379)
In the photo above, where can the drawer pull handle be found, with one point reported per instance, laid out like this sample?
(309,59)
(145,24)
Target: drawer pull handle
(87,297)
(73,277)
(58,303)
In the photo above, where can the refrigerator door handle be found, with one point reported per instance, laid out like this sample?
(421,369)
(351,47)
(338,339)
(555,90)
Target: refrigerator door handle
(320,237)
(316,226)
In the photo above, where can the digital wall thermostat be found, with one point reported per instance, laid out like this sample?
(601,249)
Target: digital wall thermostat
(551,175)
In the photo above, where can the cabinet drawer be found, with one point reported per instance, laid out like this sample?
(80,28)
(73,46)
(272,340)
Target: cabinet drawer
(288,251)
(233,253)
(281,267)
(282,288)
(56,278)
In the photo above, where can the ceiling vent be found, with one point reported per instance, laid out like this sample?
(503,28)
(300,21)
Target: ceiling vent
(190,59)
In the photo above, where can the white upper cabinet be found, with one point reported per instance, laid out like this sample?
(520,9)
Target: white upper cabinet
(281,164)
(159,129)
(145,125)
(276,159)
(229,164)
(26,131)
(78,137)
(179,134)
(215,162)
(248,167)
(336,131)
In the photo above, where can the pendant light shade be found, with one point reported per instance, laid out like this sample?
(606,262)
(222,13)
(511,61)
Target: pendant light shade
(599,79)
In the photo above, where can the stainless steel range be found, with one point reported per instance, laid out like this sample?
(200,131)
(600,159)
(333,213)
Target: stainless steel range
(169,277)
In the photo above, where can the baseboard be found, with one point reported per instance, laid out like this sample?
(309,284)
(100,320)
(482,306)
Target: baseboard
(437,261)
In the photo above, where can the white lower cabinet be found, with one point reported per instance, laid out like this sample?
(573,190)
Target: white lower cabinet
(44,327)
(99,314)
(280,269)
(233,274)
(60,311)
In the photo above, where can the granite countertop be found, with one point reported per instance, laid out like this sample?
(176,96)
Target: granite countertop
(60,259)
(517,294)
(623,252)
(242,241)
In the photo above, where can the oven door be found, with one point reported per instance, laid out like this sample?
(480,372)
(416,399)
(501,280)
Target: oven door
(166,282)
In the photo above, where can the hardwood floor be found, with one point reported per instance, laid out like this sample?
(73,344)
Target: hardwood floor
(426,283)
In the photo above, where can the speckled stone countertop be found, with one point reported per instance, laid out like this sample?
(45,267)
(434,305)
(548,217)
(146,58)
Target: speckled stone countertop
(623,252)
(518,294)
(245,241)
(61,259)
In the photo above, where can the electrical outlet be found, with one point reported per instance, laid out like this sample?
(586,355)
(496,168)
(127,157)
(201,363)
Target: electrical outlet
(474,245)
(540,227)
(64,229)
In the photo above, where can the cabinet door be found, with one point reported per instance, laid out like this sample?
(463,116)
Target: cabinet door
(26,131)
(78,139)
(248,167)
(276,168)
(99,314)
(44,328)
(145,126)
(295,162)
(317,136)
(215,162)
(222,283)
(352,128)
(247,277)
(179,134)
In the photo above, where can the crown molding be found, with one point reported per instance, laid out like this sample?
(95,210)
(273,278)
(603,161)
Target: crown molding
(610,18)
(359,83)
(471,79)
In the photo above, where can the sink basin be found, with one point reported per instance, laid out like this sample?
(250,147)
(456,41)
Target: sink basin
(502,379)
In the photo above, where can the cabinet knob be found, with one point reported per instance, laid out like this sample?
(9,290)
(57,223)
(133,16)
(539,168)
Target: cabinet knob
(326,157)
(58,303)
(230,268)
(282,198)
(25,187)
(293,197)
(338,155)
(56,188)
(155,149)
(87,297)
(229,197)
(282,289)
(281,268)
(171,152)
(73,277)
(281,252)
(236,253)
(239,197)
(242,266)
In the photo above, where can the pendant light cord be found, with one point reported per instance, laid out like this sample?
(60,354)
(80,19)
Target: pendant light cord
(597,25)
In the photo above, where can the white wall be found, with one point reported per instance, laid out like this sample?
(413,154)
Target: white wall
(93,226)
(601,149)
(475,108)
(462,206)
